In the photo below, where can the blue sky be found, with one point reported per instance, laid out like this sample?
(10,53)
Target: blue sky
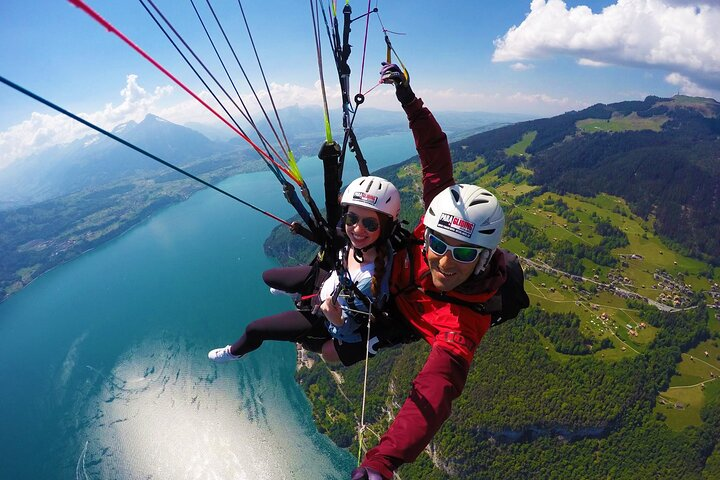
(537,57)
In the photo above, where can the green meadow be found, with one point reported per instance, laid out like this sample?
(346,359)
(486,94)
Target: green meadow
(622,123)
(695,381)
(520,147)
(603,314)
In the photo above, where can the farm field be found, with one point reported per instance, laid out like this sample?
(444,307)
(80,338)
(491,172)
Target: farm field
(604,314)
(696,381)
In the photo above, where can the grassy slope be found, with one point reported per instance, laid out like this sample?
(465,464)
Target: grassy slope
(622,123)
(560,294)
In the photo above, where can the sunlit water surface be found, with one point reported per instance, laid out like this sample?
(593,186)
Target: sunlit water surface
(103,360)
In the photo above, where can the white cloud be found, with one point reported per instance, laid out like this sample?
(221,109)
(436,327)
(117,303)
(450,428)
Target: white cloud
(586,62)
(188,110)
(689,3)
(521,67)
(284,95)
(43,130)
(687,86)
(287,94)
(672,35)
(540,104)
(538,98)
(35,134)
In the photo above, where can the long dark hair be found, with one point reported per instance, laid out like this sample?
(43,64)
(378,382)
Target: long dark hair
(380,268)
(381,249)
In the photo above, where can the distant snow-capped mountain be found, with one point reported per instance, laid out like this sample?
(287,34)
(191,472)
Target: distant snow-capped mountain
(96,160)
(93,161)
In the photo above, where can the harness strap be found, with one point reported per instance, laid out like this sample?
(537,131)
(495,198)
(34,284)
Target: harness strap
(408,242)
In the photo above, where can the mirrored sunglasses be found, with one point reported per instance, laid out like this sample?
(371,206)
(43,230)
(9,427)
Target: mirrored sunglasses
(371,224)
(459,254)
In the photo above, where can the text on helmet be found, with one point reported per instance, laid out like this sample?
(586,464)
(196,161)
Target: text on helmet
(365,198)
(457,225)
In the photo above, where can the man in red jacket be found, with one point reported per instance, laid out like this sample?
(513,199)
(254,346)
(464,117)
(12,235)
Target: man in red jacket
(437,286)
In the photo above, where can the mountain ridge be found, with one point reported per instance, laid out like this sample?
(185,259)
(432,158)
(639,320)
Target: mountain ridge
(92,162)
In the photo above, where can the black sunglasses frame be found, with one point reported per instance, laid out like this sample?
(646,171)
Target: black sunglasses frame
(370,224)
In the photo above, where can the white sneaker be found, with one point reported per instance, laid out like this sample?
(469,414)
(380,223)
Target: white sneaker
(222,355)
(295,296)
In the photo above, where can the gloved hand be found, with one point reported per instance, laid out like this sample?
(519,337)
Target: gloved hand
(391,73)
(365,473)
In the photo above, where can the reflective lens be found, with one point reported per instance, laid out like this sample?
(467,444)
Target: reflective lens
(460,254)
(371,224)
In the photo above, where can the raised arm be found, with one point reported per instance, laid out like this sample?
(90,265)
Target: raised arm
(433,149)
(430,141)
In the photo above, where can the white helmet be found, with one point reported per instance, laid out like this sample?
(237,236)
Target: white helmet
(374,193)
(467,213)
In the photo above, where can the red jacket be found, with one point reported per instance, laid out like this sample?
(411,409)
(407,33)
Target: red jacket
(454,331)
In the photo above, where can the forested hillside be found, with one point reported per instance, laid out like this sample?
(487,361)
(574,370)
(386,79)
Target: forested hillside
(525,414)
(661,155)
(612,372)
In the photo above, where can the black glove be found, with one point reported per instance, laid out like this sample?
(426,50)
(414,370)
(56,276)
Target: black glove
(391,73)
(365,473)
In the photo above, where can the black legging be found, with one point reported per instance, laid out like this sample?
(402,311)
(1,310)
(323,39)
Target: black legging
(299,326)
(290,326)
(303,279)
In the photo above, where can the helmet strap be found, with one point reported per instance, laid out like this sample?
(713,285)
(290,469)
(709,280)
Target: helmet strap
(483,261)
(425,247)
(358,255)
(358,252)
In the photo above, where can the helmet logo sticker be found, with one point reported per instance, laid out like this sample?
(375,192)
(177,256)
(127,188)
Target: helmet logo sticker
(365,198)
(457,225)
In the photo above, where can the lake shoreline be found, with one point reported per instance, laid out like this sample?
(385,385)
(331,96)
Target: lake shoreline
(131,225)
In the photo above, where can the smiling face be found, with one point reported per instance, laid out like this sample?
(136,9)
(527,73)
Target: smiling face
(359,235)
(447,273)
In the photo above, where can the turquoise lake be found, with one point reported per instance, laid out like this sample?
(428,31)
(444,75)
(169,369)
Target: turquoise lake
(103,360)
